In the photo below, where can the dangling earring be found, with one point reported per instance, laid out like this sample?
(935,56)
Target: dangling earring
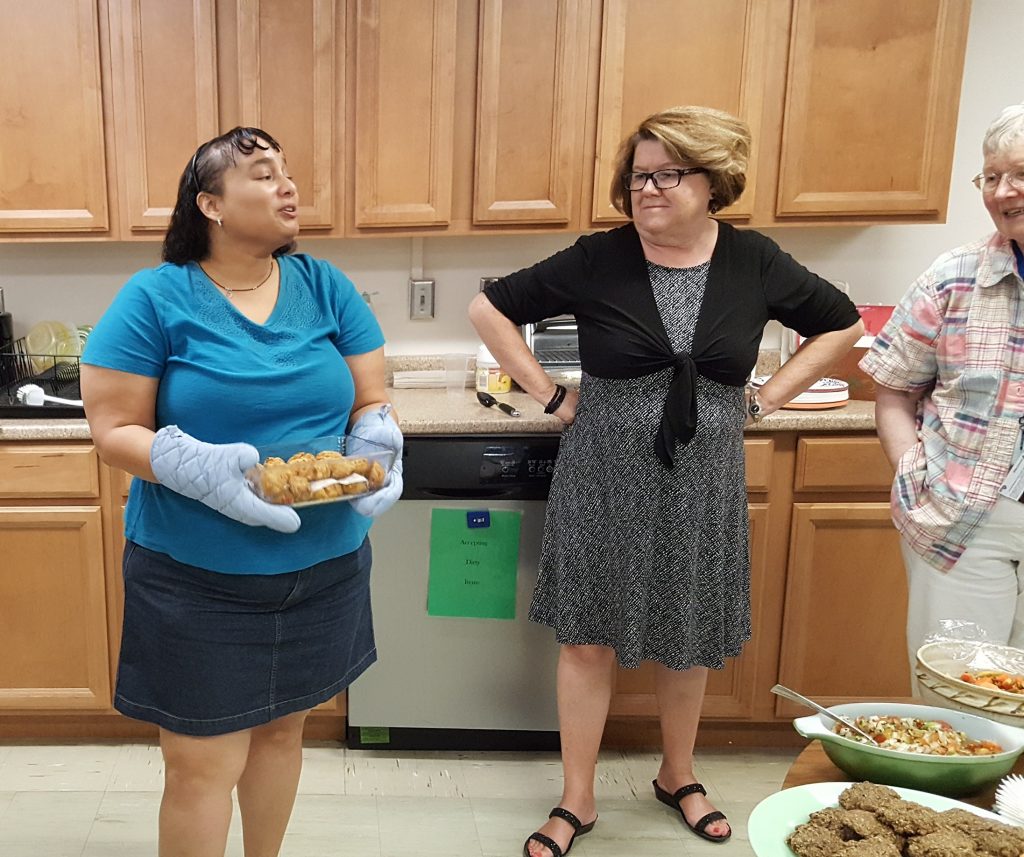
(220,223)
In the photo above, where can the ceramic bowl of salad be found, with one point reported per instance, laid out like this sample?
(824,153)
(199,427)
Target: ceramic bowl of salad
(921,747)
(974,677)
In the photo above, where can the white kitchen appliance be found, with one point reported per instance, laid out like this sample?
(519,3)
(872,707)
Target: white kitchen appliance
(443,682)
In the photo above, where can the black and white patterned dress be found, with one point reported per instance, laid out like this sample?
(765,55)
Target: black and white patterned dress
(651,562)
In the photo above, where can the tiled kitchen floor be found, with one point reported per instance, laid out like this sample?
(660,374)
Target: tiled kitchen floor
(101,800)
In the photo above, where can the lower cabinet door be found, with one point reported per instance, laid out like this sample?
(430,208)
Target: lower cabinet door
(844,626)
(730,691)
(53,609)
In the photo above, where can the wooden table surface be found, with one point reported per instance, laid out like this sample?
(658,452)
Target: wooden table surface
(813,766)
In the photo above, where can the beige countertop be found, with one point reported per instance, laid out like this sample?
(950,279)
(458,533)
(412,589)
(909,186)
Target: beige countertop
(437,412)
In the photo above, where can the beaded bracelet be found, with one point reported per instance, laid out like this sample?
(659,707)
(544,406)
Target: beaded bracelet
(556,400)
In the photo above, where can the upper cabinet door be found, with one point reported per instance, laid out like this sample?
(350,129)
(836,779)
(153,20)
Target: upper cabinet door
(405,111)
(165,91)
(657,54)
(530,111)
(871,107)
(53,171)
(287,85)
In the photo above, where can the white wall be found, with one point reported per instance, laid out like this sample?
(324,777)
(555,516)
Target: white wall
(75,281)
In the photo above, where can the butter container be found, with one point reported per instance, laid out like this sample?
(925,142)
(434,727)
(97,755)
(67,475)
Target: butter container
(320,470)
(490,377)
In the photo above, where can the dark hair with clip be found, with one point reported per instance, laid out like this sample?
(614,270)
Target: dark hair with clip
(188,235)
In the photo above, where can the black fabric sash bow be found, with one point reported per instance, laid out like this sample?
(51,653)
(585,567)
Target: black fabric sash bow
(679,417)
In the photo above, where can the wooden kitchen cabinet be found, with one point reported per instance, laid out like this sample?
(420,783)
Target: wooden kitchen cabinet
(730,691)
(469,114)
(739,691)
(665,53)
(828,590)
(403,155)
(54,176)
(844,636)
(871,108)
(530,111)
(844,623)
(185,72)
(828,594)
(164,88)
(52,580)
(283,70)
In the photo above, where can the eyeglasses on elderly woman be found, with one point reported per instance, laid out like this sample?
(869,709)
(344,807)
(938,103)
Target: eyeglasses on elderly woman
(663,179)
(989,182)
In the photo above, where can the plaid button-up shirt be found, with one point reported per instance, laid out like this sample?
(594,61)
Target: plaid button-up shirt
(958,334)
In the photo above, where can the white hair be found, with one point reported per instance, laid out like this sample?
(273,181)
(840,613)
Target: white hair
(1005,131)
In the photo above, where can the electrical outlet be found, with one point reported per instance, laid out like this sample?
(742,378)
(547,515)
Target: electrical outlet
(421,299)
(486,281)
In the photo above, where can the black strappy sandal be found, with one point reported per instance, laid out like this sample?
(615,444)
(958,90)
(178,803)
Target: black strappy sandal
(701,827)
(578,829)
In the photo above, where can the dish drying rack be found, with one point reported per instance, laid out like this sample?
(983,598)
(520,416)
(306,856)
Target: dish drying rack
(57,375)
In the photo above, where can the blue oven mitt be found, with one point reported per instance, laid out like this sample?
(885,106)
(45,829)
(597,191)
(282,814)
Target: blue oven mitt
(214,474)
(380,427)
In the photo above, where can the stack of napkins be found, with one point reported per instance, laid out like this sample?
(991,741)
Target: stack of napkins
(1010,799)
(822,394)
(422,378)
(427,378)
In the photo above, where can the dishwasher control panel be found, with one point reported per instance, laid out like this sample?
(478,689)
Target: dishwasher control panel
(475,467)
(516,463)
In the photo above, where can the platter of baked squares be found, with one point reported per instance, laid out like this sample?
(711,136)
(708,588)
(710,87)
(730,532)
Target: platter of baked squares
(321,470)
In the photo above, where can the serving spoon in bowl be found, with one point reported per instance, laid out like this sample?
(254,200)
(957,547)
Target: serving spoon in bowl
(792,695)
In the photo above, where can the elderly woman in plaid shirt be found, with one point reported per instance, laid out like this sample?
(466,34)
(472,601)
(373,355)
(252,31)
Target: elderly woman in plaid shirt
(950,414)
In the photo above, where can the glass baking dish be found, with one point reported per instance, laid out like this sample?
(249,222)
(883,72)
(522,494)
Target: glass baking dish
(313,472)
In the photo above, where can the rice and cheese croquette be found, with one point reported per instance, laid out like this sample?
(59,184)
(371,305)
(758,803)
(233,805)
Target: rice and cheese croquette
(874,821)
(288,482)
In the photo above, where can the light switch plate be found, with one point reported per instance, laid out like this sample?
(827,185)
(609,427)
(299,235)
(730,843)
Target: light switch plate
(421,299)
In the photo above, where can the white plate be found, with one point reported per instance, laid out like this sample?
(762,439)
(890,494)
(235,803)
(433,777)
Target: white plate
(778,815)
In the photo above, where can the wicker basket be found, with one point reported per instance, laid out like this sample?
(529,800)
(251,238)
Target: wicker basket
(940,664)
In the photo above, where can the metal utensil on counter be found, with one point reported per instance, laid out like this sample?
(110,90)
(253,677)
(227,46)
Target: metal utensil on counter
(488,401)
(793,696)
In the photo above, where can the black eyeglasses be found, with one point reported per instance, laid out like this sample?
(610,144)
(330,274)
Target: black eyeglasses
(663,179)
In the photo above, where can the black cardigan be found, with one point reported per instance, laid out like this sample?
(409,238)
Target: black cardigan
(602,279)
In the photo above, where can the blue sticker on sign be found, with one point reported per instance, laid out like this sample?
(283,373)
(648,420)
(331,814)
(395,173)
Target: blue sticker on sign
(478,520)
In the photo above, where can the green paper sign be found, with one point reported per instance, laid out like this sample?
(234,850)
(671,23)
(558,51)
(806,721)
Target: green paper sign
(474,557)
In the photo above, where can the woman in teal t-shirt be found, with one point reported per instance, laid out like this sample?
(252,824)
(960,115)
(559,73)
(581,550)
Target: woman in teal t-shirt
(240,616)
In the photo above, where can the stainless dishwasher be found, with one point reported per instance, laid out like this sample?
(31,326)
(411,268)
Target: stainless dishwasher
(452,682)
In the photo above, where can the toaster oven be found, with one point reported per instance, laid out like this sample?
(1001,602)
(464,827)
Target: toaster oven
(554,342)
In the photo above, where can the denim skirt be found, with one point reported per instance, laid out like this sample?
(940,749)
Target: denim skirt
(205,653)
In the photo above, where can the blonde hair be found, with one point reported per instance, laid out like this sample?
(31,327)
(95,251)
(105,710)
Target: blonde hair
(1006,130)
(700,136)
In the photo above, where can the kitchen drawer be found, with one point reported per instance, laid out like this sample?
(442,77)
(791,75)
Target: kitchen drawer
(758,457)
(841,464)
(48,470)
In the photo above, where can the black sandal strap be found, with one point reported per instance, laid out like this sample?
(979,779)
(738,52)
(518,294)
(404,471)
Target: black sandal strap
(546,841)
(702,825)
(691,789)
(565,815)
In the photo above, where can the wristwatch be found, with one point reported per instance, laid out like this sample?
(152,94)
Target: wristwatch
(754,407)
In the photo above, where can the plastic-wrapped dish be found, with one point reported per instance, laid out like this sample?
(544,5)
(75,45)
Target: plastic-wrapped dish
(321,470)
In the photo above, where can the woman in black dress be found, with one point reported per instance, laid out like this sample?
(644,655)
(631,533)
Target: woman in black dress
(645,551)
